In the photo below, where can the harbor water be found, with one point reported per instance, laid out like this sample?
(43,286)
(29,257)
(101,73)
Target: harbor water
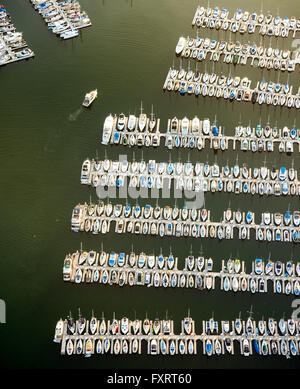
(45,136)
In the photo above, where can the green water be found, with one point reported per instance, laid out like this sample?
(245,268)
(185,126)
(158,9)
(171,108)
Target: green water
(46,134)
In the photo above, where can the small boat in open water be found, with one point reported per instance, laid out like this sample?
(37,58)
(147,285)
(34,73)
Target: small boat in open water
(90,97)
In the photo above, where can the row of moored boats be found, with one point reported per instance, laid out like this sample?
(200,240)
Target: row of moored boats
(159,271)
(125,336)
(184,222)
(188,176)
(230,88)
(63,17)
(13,47)
(246,22)
(236,53)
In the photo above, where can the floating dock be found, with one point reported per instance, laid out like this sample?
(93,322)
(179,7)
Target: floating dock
(201,133)
(245,22)
(162,271)
(63,18)
(89,337)
(132,130)
(187,176)
(231,89)
(13,47)
(236,53)
(184,222)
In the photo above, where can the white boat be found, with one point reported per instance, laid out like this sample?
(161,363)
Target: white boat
(153,347)
(271,326)
(238,326)
(99,348)
(106,345)
(142,121)
(190,260)
(58,331)
(70,347)
(131,122)
(93,325)
(146,326)
(246,350)
(208,347)
(78,276)
(102,327)
(291,326)
(170,261)
(90,97)
(117,347)
(69,34)
(249,327)
(282,326)
(124,325)
(206,126)
(188,325)
(125,347)
(107,129)
(190,346)
(218,348)
(180,45)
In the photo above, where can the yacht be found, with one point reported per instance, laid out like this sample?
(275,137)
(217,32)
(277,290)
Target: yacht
(90,97)
(180,45)
(188,325)
(124,325)
(59,331)
(131,122)
(70,34)
(142,121)
(107,129)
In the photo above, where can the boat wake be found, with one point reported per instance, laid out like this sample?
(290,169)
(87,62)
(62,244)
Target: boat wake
(74,115)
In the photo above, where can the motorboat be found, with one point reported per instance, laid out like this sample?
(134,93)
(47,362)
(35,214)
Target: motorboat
(180,45)
(90,97)
(107,129)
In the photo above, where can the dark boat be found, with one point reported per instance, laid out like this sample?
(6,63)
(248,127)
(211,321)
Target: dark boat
(254,96)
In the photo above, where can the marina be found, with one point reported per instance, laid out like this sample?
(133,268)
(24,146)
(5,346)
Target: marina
(63,18)
(235,53)
(184,222)
(13,47)
(246,22)
(201,133)
(193,177)
(125,336)
(162,271)
(131,130)
(231,88)
(138,209)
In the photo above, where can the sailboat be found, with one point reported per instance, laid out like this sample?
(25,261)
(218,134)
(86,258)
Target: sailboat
(142,119)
